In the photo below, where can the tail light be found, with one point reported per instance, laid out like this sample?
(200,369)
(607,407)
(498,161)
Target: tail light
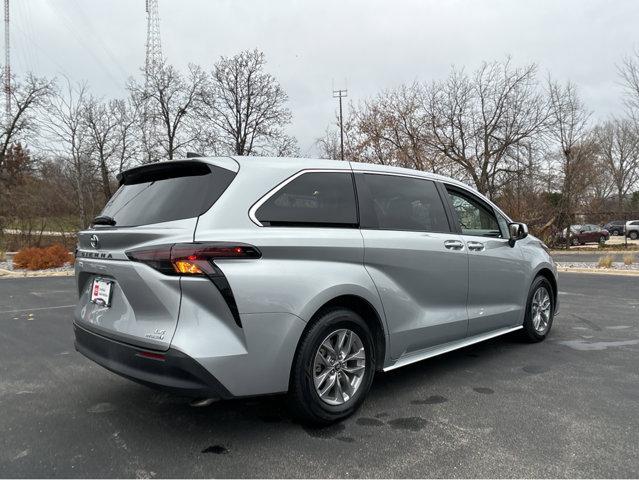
(191,258)
(197,259)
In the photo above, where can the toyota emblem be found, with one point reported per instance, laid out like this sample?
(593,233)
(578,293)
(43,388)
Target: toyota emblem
(95,241)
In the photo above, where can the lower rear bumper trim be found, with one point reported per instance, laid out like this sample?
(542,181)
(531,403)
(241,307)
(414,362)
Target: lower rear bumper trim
(176,372)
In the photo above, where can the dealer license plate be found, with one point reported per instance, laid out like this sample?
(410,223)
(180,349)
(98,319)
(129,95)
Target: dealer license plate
(101,292)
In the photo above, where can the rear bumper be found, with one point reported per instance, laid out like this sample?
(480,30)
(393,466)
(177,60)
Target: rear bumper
(171,370)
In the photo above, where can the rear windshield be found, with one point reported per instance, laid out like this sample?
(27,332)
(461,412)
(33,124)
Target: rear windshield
(167,192)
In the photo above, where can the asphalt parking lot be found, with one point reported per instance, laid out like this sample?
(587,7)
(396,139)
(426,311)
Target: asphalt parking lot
(566,407)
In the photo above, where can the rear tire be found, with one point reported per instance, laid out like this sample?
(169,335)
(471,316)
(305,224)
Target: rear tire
(633,235)
(318,347)
(540,310)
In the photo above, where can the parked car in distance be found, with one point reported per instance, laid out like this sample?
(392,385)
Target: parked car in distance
(232,277)
(632,229)
(616,227)
(587,233)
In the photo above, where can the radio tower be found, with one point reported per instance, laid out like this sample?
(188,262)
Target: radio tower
(152,63)
(153,43)
(7,63)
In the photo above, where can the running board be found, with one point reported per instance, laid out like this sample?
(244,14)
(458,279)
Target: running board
(448,347)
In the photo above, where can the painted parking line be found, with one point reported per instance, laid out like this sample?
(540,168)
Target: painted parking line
(36,309)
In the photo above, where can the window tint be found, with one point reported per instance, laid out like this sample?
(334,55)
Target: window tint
(322,198)
(474,217)
(392,202)
(167,192)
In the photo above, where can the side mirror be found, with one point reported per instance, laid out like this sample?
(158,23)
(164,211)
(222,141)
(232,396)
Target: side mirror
(518,231)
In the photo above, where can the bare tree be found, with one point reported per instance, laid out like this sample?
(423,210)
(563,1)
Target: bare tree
(26,96)
(329,143)
(129,135)
(576,150)
(629,74)
(171,102)
(477,121)
(110,127)
(68,137)
(393,127)
(245,105)
(618,144)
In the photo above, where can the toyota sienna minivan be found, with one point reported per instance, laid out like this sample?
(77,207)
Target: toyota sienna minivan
(233,277)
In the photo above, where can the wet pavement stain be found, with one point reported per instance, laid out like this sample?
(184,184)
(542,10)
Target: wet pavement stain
(432,400)
(346,439)
(534,369)
(414,424)
(369,422)
(589,323)
(101,408)
(216,449)
(589,346)
(325,432)
(381,415)
(484,390)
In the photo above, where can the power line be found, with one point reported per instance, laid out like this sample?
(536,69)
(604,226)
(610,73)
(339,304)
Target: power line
(85,42)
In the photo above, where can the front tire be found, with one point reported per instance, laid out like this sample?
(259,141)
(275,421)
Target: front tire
(540,310)
(333,367)
(633,235)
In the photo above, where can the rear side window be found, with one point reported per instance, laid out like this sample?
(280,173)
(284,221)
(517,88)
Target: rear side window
(391,202)
(167,192)
(312,199)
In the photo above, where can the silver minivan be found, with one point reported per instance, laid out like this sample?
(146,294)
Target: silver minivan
(232,277)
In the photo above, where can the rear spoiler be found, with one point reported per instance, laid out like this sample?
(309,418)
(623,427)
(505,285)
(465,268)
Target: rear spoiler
(162,170)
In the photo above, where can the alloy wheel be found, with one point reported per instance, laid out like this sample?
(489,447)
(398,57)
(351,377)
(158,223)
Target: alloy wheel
(540,309)
(339,367)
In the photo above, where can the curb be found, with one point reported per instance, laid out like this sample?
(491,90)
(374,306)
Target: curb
(598,271)
(592,252)
(10,274)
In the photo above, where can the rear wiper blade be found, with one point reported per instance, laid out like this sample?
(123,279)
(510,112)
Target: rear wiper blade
(103,220)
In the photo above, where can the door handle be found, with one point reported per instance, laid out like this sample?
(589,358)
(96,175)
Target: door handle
(454,245)
(475,246)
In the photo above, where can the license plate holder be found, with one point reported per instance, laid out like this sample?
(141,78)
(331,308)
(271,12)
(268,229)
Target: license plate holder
(101,291)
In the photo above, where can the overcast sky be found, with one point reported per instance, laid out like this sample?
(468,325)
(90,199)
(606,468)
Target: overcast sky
(366,45)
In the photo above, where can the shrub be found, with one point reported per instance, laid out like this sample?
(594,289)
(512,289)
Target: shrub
(34,258)
(3,256)
(606,261)
(628,259)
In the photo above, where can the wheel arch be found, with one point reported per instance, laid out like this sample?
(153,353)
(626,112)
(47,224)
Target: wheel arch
(369,314)
(547,273)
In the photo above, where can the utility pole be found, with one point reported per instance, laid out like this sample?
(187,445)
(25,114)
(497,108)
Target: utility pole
(341,94)
(7,63)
